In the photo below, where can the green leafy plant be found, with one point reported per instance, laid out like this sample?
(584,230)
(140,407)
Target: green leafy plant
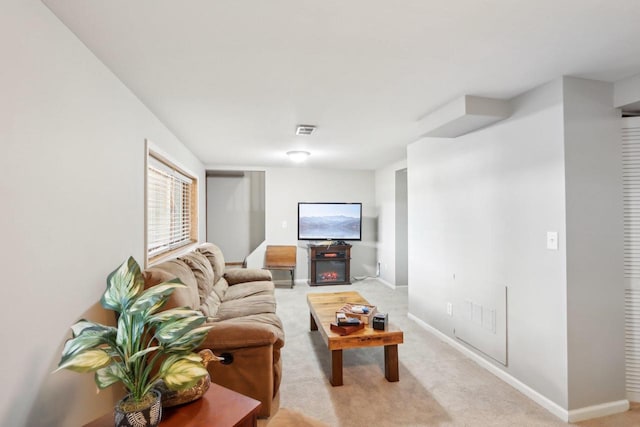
(147,344)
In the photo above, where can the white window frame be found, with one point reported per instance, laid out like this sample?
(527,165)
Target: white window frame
(175,241)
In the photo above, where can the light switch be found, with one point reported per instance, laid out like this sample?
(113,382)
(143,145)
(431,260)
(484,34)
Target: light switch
(552,240)
(284,224)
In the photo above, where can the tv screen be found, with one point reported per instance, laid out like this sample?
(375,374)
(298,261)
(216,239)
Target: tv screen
(329,221)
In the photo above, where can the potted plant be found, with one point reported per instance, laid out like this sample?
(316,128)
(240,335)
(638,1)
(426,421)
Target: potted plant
(147,345)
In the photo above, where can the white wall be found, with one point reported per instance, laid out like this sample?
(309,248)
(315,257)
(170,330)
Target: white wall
(72,186)
(228,215)
(402,229)
(385,185)
(595,293)
(627,92)
(479,208)
(285,187)
(257,206)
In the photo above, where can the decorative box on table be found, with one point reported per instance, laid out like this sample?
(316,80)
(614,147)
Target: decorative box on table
(346,330)
(365,317)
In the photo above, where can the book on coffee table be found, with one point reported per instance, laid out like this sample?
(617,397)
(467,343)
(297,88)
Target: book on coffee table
(346,330)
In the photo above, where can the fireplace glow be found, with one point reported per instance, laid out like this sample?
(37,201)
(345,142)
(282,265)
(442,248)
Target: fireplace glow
(329,276)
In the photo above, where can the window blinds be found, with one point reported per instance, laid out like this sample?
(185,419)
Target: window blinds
(169,208)
(631,200)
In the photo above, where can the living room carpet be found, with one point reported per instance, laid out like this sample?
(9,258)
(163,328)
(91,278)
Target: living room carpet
(439,386)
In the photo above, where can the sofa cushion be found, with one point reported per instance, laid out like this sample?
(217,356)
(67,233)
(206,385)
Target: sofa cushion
(215,257)
(221,287)
(242,290)
(255,304)
(236,333)
(181,297)
(242,275)
(244,332)
(209,307)
(269,320)
(203,272)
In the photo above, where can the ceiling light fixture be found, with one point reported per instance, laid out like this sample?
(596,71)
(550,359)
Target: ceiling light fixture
(298,156)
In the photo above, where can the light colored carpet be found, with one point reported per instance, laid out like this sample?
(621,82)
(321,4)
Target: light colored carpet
(438,385)
(290,418)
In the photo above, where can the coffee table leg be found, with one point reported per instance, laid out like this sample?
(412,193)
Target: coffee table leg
(336,367)
(391,363)
(312,323)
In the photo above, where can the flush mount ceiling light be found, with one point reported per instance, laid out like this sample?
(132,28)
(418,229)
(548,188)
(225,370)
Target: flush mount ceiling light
(305,129)
(298,156)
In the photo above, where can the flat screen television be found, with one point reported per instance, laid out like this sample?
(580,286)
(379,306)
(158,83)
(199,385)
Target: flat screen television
(329,221)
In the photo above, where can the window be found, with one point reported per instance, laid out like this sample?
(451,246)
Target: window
(171,207)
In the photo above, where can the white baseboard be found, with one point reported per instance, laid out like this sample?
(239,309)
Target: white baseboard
(574,415)
(597,411)
(633,396)
(384,282)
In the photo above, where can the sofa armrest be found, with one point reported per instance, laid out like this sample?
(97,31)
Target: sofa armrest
(242,275)
(227,335)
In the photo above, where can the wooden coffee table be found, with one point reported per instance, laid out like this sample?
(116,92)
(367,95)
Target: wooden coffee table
(323,307)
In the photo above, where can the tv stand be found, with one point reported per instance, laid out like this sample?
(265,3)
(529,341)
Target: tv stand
(330,264)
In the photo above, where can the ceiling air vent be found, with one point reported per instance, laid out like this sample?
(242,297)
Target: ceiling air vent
(305,129)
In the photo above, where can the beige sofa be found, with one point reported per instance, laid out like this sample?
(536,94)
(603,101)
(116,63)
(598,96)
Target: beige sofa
(241,305)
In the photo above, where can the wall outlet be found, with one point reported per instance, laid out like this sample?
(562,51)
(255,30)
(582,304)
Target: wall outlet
(450,309)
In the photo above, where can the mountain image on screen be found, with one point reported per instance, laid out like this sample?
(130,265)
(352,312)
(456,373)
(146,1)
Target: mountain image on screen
(329,221)
(330,227)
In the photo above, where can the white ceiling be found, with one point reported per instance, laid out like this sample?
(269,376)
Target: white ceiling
(232,79)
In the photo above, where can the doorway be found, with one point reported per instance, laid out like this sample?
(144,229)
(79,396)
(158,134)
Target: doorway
(236,212)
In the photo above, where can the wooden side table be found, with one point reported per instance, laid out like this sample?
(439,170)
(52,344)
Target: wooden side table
(219,407)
